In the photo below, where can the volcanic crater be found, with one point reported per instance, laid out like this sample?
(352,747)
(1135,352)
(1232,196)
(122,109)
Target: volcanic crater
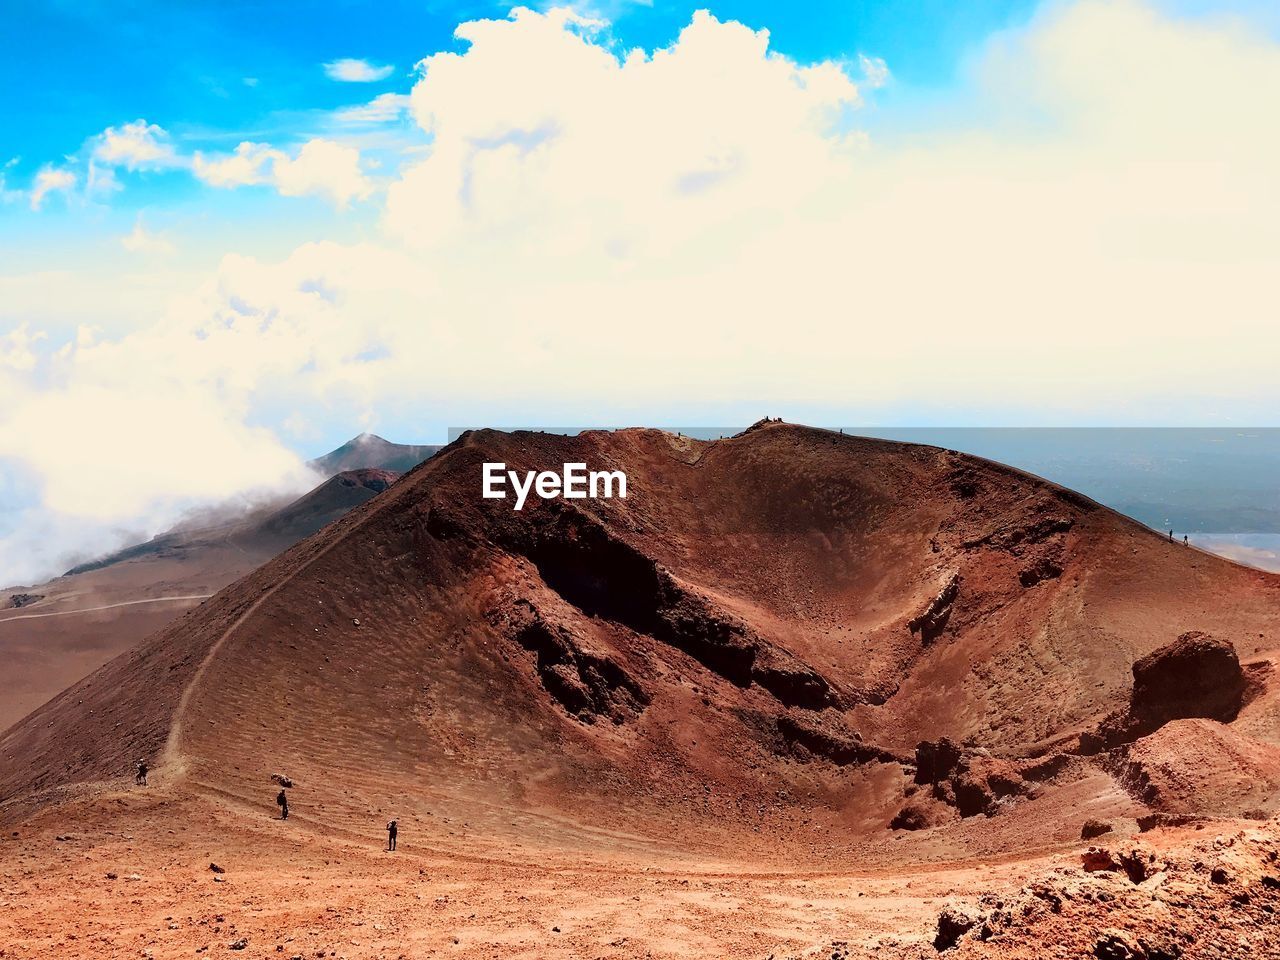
(790,650)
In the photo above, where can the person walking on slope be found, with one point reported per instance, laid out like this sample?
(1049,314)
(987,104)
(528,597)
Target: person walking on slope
(283,803)
(1185,541)
(391,836)
(140,778)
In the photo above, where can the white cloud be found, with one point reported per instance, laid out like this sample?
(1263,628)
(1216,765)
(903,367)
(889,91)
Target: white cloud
(142,241)
(351,70)
(248,165)
(384,108)
(1093,233)
(50,180)
(875,72)
(324,168)
(16,351)
(100,181)
(320,167)
(136,146)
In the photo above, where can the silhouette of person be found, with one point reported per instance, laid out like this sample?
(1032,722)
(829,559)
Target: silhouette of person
(140,778)
(1185,541)
(283,802)
(391,835)
(1171,536)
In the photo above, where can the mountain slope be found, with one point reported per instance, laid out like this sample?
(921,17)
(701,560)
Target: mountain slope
(89,615)
(741,655)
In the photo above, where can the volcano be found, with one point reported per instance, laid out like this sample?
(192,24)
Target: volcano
(789,650)
(368,450)
(57,632)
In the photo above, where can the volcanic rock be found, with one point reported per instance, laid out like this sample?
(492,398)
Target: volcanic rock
(953,923)
(1197,675)
(1094,828)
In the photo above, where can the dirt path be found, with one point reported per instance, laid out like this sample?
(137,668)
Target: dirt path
(106,606)
(171,756)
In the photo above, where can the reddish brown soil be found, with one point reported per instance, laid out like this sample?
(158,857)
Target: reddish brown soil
(85,618)
(727,673)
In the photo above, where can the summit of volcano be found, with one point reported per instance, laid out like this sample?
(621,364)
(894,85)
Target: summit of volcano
(786,651)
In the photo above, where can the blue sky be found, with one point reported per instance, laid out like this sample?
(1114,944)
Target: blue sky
(212,75)
(73,68)
(215,74)
(233,235)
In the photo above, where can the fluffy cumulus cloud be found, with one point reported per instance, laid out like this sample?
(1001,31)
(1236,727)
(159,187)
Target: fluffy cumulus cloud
(319,167)
(1089,232)
(136,146)
(351,70)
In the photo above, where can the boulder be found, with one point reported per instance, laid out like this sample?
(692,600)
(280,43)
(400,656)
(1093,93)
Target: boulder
(1094,828)
(1197,675)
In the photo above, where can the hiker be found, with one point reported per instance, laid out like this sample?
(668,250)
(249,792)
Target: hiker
(283,803)
(1185,541)
(391,835)
(1171,536)
(140,778)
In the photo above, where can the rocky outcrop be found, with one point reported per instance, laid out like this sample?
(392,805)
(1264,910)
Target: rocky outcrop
(971,782)
(827,737)
(953,923)
(1217,899)
(1094,828)
(589,685)
(1037,526)
(936,760)
(604,576)
(1196,676)
(930,621)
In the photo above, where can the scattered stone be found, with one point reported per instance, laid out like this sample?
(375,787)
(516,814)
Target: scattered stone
(238,944)
(281,779)
(216,869)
